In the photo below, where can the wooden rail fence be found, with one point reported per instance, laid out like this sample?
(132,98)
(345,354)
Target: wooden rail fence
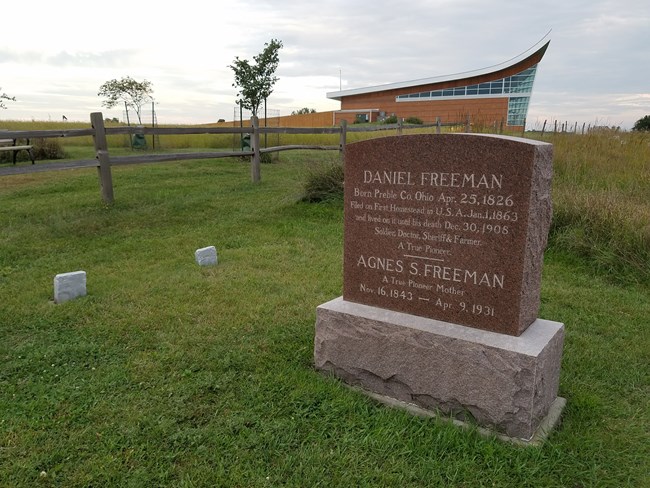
(104,161)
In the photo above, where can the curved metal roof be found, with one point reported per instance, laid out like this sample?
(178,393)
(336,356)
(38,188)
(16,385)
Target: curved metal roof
(439,79)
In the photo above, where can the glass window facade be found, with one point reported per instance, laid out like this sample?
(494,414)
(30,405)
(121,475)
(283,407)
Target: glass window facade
(517,88)
(520,83)
(517,110)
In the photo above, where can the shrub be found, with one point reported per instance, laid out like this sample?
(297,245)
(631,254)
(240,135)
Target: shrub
(43,149)
(48,149)
(304,110)
(643,124)
(324,182)
(414,120)
(392,119)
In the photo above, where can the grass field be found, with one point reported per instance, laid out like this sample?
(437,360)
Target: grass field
(168,374)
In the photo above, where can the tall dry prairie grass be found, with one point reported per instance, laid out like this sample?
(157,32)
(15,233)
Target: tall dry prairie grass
(601,200)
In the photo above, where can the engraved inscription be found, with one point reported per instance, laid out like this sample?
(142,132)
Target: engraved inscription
(437,234)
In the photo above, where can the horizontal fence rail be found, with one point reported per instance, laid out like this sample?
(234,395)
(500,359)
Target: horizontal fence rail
(165,158)
(104,161)
(266,150)
(29,134)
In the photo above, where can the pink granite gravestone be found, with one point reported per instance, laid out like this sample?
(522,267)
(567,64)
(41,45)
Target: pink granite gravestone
(451,227)
(444,242)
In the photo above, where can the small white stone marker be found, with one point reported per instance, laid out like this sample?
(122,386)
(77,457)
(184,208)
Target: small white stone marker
(206,256)
(68,286)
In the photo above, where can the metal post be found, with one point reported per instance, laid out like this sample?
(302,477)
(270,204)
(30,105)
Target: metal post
(241,125)
(153,124)
(255,147)
(265,125)
(437,125)
(128,122)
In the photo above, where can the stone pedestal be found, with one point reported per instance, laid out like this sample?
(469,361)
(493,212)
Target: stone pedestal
(505,383)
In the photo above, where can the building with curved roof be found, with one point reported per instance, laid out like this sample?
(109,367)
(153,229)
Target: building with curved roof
(496,96)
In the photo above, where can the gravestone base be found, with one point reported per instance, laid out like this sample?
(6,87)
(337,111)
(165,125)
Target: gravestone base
(504,383)
(546,426)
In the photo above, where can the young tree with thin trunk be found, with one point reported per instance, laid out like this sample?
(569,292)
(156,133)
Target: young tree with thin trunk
(255,81)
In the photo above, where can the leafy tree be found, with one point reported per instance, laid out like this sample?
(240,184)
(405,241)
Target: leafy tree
(133,93)
(304,110)
(255,81)
(643,124)
(4,96)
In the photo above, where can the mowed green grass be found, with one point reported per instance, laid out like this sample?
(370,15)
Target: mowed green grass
(169,374)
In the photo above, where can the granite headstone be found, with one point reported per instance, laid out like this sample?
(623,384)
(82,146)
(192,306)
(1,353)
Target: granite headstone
(444,241)
(451,227)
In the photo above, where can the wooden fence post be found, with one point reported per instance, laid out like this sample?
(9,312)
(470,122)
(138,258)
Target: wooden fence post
(543,127)
(400,123)
(255,147)
(437,125)
(468,124)
(101,153)
(343,138)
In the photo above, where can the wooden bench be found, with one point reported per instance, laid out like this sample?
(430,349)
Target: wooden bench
(10,145)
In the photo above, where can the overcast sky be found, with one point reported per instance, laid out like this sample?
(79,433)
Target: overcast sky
(54,56)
